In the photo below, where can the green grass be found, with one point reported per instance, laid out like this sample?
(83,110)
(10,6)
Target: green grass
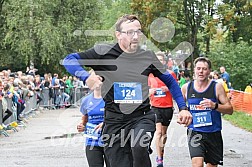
(240,119)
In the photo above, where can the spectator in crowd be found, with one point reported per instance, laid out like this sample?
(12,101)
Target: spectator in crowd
(7,94)
(225,75)
(1,87)
(38,88)
(217,78)
(182,79)
(69,89)
(1,75)
(19,74)
(20,102)
(77,83)
(248,88)
(31,70)
(55,76)
(57,96)
(64,96)
(175,69)
(55,88)
(187,70)
(170,63)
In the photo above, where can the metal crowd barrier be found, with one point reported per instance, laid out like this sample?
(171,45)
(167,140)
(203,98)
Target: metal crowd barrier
(2,130)
(12,108)
(11,122)
(47,101)
(76,94)
(30,106)
(79,93)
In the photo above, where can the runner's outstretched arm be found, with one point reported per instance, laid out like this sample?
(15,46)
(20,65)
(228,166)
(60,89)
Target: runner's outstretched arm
(73,66)
(174,88)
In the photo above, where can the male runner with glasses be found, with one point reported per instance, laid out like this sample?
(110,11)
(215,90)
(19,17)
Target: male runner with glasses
(124,67)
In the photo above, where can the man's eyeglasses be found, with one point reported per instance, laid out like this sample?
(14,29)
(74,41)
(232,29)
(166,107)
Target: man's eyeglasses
(131,33)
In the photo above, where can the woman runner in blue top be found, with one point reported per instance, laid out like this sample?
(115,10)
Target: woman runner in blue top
(92,108)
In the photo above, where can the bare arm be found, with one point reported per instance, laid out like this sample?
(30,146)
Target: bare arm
(84,121)
(225,106)
(184,113)
(184,90)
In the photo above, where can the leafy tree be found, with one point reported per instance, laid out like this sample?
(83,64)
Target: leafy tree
(112,10)
(236,58)
(45,31)
(236,17)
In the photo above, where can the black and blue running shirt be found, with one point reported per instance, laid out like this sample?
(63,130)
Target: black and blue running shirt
(204,119)
(116,66)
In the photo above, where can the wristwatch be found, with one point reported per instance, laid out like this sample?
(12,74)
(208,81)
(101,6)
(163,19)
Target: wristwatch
(216,106)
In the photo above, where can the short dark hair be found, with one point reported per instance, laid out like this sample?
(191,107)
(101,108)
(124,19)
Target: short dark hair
(203,59)
(125,18)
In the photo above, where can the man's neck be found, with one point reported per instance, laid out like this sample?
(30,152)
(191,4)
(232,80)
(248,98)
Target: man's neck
(201,85)
(97,94)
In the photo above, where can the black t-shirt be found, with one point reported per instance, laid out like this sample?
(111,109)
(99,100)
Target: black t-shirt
(47,84)
(62,84)
(114,65)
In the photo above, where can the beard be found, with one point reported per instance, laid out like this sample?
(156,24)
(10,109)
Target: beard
(133,46)
(129,46)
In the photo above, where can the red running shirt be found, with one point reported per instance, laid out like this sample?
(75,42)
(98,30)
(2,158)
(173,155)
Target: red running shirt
(160,102)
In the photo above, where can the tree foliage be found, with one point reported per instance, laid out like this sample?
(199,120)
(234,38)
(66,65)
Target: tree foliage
(112,10)
(235,17)
(236,58)
(45,31)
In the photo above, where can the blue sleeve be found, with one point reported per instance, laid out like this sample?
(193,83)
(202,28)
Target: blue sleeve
(174,88)
(73,66)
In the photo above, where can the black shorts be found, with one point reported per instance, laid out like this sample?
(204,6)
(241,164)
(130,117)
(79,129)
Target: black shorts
(95,156)
(164,115)
(126,143)
(206,145)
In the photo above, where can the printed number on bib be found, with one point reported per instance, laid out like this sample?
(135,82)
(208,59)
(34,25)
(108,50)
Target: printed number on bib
(90,131)
(159,93)
(202,119)
(127,92)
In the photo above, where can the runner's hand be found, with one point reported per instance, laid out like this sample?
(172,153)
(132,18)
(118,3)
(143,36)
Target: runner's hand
(98,127)
(94,81)
(80,127)
(164,89)
(152,91)
(184,117)
(207,103)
